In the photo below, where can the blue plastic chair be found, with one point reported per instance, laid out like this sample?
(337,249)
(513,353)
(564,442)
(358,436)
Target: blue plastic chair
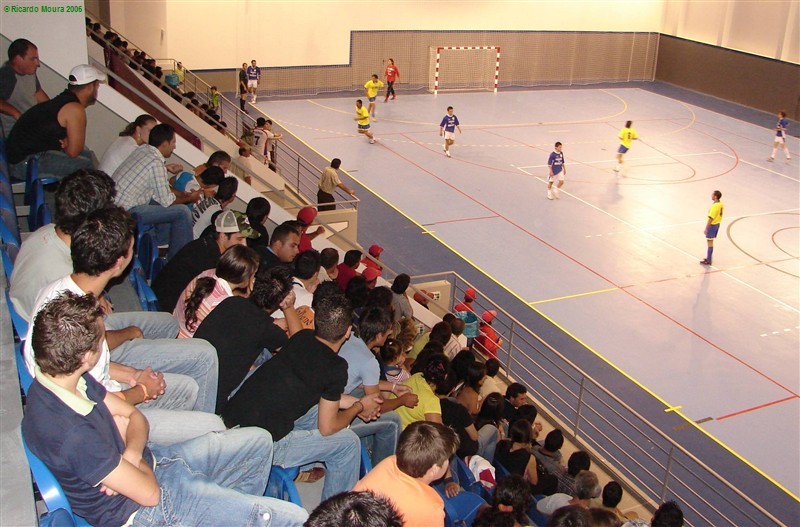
(467,479)
(37,203)
(366,462)
(533,513)
(32,174)
(9,228)
(281,484)
(25,378)
(147,298)
(8,253)
(49,488)
(461,509)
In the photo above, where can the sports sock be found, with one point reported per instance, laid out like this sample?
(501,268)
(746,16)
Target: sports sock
(774,151)
(709,253)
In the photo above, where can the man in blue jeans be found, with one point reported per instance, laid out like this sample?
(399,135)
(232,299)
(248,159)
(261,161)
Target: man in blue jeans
(143,189)
(95,443)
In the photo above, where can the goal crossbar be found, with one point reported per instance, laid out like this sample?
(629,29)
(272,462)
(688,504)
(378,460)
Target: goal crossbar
(480,74)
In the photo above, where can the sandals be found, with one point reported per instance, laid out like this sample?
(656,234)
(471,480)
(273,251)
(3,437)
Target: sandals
(310,476)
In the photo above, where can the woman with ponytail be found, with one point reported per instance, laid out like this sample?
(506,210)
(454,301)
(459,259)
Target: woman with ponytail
(233,276)
(135,134)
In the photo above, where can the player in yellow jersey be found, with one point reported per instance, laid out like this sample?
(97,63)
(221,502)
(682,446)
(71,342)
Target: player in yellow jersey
(712,225)
(371,91)
(626,136)
(362,118)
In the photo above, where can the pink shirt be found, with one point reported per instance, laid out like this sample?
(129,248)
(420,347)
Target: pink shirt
(222,290)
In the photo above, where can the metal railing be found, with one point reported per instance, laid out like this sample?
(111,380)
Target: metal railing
(632,447)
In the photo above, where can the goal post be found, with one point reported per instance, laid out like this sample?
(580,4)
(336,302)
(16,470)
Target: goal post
(464,68)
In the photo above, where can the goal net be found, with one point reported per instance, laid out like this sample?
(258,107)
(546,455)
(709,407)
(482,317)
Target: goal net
(464,68)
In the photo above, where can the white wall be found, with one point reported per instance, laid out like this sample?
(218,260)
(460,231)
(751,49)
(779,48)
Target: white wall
(144,23)
(53,33)
(766,28)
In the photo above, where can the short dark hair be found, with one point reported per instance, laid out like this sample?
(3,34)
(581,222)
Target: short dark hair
(326,290)
(328,257)
(160,134)
(227,190)
(513,491)
(449,107)
(554,440)
(101,240)
(669,514)
(19,48)
(401,283)
(220,156)
(475,372)
(359,100)
(64,330)
(612,494)
(520,431)
(258,209)
(271,287)
(352,257)
(357,291)
(373,321)
(527,412)
(603,518)
(558,143)
(441,332)
(333,316)
(457,326)
(718,194)
(491,517)
(282,231)
(380,296)
(212,175)
(336,162)
(569,516)
(80,193)
(355,509)
(424,444)
(306,264)
(579,460)
(628,124)
(492,366)
(515,389)
(586,485)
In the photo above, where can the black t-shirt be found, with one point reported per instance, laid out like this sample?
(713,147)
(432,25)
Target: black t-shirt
(38,129)
(516,462)
(238,348)
(285,387)
(261,241)
(194,258)
(457,417)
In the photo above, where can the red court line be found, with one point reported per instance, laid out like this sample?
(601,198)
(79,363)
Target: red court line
(754,408)
(459,219)
(596,273)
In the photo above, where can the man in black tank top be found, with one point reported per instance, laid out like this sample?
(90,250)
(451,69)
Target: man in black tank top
(57,128)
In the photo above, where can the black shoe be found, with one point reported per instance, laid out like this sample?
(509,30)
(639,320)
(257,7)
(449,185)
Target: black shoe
(705,262)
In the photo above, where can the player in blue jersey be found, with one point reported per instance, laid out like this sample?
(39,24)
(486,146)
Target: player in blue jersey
(780,137)
(447,129)
(253,76)
(557,170)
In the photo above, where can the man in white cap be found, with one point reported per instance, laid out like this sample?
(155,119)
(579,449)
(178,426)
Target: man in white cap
(56,129)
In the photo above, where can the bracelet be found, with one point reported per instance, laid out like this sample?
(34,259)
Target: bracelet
(144,389)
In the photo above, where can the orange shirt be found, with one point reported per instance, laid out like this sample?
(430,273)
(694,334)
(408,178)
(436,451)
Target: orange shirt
(420,505)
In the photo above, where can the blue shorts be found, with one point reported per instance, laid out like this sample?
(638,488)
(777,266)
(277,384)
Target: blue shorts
(622,149)
(363,127)
(712,231)
(372,99)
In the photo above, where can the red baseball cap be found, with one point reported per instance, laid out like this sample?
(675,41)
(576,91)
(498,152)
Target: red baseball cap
(488,316)
(470,294)
(306,215)
(370,274)
(375,250)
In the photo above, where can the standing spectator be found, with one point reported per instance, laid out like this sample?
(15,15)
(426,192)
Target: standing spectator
(253,76)
(243,87)
(488,341)
(19,86)
(371,88)
(135,134)
(362,118)
(328,183)
(143,189)
(447,129)
(556,169)
(180,71)
(392,73)
(305,217)
(213,100)
(712,225)
(780,136)
(56,128)
(469,297)
(263,138)
(626,136)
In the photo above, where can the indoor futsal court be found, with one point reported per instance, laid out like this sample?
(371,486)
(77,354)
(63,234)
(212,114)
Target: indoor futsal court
(615,262)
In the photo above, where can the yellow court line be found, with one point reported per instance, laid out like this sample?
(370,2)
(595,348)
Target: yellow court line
(568,333)
(537,302)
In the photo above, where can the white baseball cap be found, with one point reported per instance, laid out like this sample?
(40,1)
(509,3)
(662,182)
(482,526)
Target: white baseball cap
(85,74)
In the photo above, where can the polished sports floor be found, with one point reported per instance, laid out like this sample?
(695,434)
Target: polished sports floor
(614,262)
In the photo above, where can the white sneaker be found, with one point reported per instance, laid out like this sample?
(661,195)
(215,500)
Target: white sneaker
(444,147)
(770,159)
(616,168)
(372,141)
(447,153)
(555,193)
(549,194)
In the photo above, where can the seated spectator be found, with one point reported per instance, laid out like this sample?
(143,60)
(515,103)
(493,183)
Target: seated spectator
(255,332)
(19,86)
(669,514)
(95,443)
(233,276)
(298,397)
(56,129)
(206,181)
(355,509)
(549,455)
(347,269)
(393,359)
(283,246)
(257,212)
(205,209)
(135,134)
(512,495)
(231,229)
(514,453)
(402,306)
(488,341)
(570,516)
(489,423)
(329,262)
(431,349)
(490,384)
(603,518)
(328,183)
(516,396)
(611,497)
(407,333)
(45,255)
(375,251)
(305,217)
(461,364)
(456,417)
(440,332)
(423,456)
(586,488)
(491,517)
(422,385)
(142,189)
(578,460)
(357,293)
(469,394)
(220,158)
(529,413)
(305,279)
(453,346)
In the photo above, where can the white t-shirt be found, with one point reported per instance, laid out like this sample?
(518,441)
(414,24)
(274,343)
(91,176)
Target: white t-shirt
(101,370)
(116,153)
(301,298)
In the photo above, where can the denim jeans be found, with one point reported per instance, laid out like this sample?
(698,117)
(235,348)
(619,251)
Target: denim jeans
(168,427)
(153,325)
(385,431)
(55,163)
(487,442)
(340,452)
(178,218)
(218,479)
(194,358)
